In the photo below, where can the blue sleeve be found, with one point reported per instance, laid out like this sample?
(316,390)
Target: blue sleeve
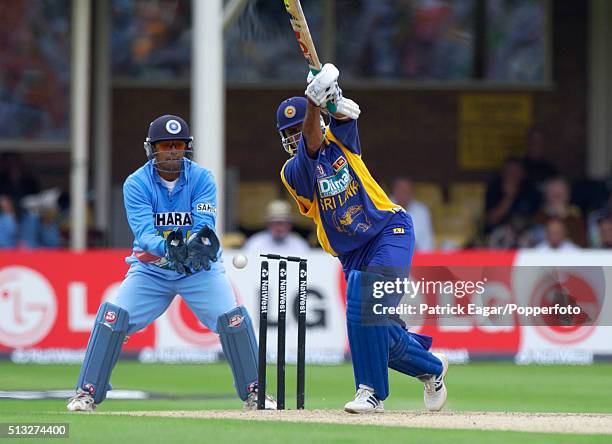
(204,201)
(139,210)
(299,172)
(346,132)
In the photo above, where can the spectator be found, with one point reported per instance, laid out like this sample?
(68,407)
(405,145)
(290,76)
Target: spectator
(510,198)
(15,182)
(277,238)
(39,224)
(421,218)
(557,204)
(605,233)
(556,237)
(507,236)
(593,221)
(8,223)
(537,168)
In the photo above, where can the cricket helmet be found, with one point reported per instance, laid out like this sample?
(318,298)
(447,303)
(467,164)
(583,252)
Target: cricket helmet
(167,127)
(291,112)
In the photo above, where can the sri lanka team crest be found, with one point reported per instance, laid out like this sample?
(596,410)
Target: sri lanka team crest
(290,112)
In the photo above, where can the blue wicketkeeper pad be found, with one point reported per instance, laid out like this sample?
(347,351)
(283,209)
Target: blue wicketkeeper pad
(103,350)
(240,348)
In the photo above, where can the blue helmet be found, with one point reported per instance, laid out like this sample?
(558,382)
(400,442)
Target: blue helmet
(167,127)
(291,112)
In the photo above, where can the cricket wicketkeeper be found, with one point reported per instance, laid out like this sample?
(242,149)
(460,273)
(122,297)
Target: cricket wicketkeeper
(171,206)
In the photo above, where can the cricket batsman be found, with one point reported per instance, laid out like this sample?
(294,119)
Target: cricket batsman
(171,208)
(359,224)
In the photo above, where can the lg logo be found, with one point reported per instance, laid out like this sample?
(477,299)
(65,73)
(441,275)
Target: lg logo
(27,307)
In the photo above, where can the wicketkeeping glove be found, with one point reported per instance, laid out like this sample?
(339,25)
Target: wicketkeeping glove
(202,249)
(176,251)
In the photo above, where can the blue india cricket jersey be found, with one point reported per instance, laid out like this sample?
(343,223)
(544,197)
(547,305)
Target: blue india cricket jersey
(337,191)
(153,212)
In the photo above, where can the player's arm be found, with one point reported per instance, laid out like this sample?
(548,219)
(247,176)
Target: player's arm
(204,202)
(139,210)
(311,130)
(346,131)
(203,244)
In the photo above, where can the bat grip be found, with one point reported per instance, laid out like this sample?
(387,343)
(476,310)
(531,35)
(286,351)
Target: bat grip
(332,108)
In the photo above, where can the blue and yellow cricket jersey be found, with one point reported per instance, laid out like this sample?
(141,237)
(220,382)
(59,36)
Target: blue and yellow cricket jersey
(337,191)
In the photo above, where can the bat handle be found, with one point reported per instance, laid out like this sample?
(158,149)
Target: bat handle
(332,108)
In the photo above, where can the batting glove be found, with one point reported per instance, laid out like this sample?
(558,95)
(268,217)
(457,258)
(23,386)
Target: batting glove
(348,108)
(323,87)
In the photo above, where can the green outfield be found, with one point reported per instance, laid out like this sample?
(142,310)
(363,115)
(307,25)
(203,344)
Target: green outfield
(500,387)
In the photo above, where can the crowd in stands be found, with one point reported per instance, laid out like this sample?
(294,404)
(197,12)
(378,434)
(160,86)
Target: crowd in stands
(372,39)
(35,74)
(530,204)
(29,217)
(151,40)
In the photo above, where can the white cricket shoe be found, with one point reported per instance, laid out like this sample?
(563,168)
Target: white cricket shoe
(365,402)
(251,402)
(81,402)
(435,392)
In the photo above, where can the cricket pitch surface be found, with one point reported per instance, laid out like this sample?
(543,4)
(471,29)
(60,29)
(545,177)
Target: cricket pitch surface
(580,423)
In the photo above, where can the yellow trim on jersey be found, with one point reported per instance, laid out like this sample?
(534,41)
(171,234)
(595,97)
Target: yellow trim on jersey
(321,234)
(310,209)
(379,198)
(305,205)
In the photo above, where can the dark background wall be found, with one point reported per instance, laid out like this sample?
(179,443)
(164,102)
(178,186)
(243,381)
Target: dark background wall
(407,131)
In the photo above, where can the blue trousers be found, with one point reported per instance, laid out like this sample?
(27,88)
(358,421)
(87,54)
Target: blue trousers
(146,295)
(375,348)
(143,296)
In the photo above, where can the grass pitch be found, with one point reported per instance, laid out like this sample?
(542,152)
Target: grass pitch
(497,387)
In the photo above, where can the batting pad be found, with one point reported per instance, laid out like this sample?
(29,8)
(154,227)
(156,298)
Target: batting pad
(239,347)
(103,350)
(408,353)
(369,343)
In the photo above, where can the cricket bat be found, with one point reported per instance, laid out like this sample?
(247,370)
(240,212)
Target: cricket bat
(304,38)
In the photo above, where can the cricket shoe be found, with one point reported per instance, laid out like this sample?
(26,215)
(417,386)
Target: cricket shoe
(81,402)
(365,401)
(251,402)
(435,392)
